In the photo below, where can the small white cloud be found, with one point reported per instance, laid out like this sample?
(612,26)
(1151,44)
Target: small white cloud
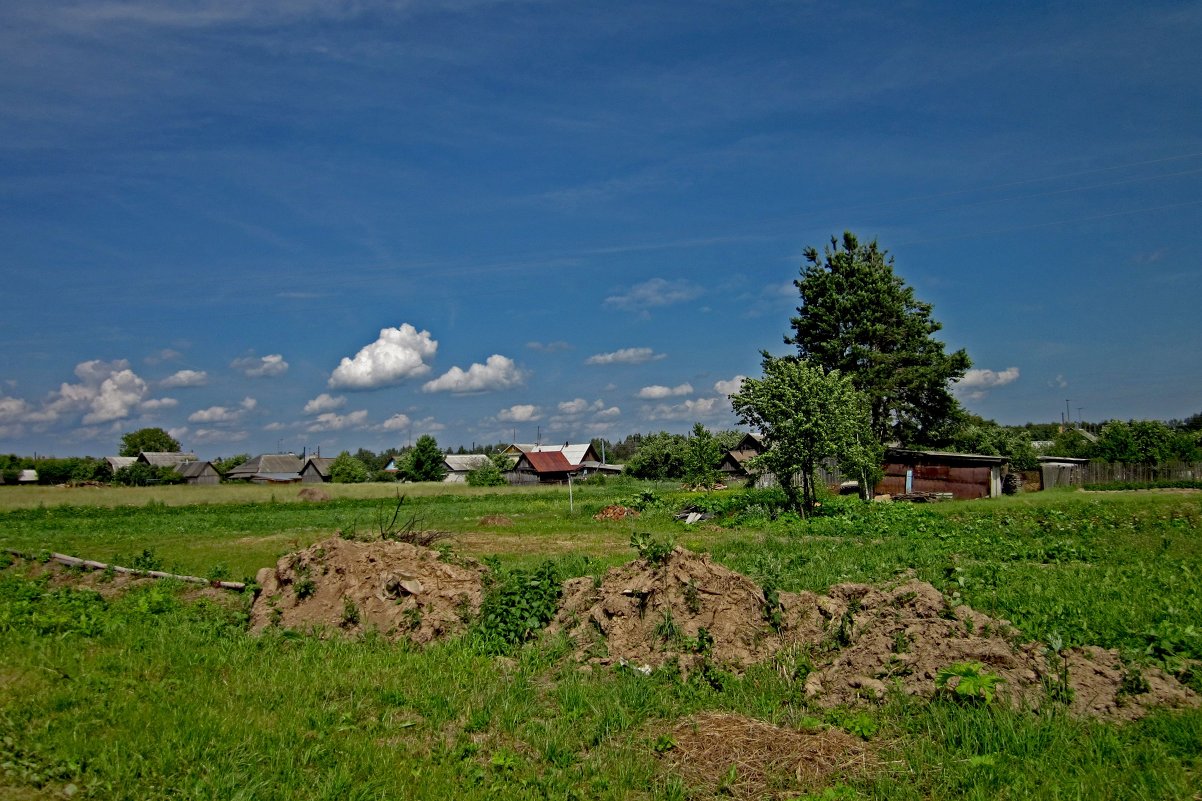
(325,402)
(626,356)
(398,422)
(688,410)
(729,387)
(398,354)
(987,379)
(609,413)
(261,366)
(656,392)
(330,421)
(520,413)
(498,372)
(155,404)
(580,406)
(185,378)
(1060,382)
(248,403)
(215,414)
(654,292)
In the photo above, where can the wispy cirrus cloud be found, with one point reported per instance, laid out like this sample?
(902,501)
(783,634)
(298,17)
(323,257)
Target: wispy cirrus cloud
(652,293)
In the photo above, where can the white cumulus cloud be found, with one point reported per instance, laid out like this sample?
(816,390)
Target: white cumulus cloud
(154,404)
(185,378)
(261,366)
(729,387)
(398,354)
(656,392)
(325,402)
(985,379)
(520,413)
(498,372)
(398,422)
(580,406)
(626,356)
(107,391)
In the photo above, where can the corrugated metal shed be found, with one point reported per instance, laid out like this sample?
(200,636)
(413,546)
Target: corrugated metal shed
(964,475)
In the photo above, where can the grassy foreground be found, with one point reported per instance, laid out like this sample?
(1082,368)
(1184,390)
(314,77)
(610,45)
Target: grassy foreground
(151,694)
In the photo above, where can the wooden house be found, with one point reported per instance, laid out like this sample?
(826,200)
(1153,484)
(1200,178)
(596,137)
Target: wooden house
(198,472)
(542,467)
(316,470)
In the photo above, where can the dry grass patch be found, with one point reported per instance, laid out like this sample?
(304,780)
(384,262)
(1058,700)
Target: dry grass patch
(741,757)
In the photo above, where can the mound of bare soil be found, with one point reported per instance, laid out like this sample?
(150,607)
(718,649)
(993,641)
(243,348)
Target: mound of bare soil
(616,512)
(903,636)
(686,608)
(401,590)
(740,757)
(863,641)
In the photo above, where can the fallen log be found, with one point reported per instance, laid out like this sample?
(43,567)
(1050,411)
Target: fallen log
(89,564)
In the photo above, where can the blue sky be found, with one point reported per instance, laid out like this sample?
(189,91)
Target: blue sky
(340,225)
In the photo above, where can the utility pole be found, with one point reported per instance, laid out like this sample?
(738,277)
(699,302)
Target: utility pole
(1068,412)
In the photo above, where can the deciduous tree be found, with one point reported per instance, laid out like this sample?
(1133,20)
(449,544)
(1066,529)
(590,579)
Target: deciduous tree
(856,316)
(425,462)
(148,439)
(807,415)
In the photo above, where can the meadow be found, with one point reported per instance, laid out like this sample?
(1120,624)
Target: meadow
(160,693)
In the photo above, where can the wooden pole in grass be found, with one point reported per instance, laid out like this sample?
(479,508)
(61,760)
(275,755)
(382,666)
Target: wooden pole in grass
(89,564)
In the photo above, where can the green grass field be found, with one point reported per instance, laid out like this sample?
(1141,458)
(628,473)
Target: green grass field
(152,694)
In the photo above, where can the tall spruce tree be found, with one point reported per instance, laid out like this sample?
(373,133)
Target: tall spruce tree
(856,316)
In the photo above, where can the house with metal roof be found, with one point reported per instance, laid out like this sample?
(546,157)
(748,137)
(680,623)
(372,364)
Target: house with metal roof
(269,468)
(459,465)
(574,453)
(165,458)
(545,467)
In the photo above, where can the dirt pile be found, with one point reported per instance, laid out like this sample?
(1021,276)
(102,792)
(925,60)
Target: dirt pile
(903,636)
(398,589)
(616,512)
(861,641)
(740,757)
(684,607)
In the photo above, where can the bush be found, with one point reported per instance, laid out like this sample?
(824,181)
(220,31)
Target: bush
(486,475)
(346,469)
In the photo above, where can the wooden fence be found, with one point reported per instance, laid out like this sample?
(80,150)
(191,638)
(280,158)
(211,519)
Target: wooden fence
(1105,473)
